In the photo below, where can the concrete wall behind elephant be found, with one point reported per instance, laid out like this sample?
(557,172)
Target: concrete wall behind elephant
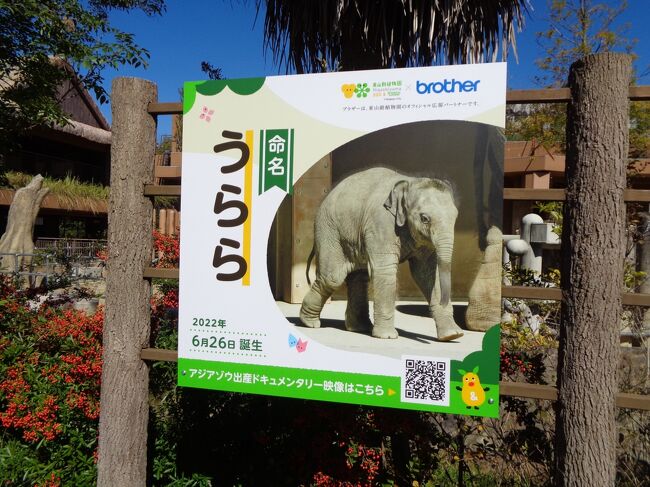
(468,154)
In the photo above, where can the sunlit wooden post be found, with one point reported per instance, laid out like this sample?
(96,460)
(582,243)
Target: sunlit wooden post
(125,377)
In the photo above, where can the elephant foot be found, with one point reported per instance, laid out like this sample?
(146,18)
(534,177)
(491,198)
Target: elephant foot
(308,320)
(447,333)
(384,332)
(356,323)
(448,329)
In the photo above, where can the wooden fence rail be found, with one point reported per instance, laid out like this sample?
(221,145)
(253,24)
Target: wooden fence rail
(506,388)
(515,389)
(513,97)
(524,292)
(518,194)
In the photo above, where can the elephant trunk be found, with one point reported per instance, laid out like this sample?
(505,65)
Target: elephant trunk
(444,248)
(445,283)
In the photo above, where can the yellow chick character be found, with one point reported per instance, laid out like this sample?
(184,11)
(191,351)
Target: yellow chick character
(472,393)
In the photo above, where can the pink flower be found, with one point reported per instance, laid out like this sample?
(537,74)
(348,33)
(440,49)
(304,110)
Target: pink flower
(206,114)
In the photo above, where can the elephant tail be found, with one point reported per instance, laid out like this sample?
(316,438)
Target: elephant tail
(309,259)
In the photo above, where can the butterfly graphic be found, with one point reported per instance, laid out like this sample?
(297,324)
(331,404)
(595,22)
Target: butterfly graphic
(206,114)
(297,343)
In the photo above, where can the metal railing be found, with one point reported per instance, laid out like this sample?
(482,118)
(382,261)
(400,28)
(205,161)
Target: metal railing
(71,248)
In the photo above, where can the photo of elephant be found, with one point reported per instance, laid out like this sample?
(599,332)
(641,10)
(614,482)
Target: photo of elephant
(392,242)
(399,219)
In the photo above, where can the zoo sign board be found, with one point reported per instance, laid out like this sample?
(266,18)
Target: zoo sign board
(341,237)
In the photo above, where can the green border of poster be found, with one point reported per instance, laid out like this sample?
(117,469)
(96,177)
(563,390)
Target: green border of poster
(345,387)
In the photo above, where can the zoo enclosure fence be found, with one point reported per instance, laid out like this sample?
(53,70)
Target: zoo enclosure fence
(125,377)
(71,248)
(514,389)
(50,257)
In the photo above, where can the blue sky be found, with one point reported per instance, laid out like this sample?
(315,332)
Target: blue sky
(226,34)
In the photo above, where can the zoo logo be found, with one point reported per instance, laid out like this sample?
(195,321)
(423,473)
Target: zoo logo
(359,89)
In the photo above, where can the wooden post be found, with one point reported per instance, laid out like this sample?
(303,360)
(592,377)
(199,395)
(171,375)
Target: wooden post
(162,221)
(592,270)
(171,222)
(125,377)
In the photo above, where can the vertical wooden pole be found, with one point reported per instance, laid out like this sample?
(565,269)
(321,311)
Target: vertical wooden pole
(174,144)
(171,222)
(162,221)
(593,246)
(125,377)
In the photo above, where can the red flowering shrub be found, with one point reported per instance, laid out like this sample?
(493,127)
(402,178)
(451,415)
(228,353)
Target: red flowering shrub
(168,249)
(102,254)
(50,369)
(363,465)
(164,302)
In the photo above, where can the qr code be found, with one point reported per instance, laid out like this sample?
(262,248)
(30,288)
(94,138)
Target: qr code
(425,380)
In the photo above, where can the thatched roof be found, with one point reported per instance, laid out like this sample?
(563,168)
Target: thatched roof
(86,120)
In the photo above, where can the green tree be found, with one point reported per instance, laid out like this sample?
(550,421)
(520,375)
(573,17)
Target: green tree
(577,28)
(313,35)
(45,42)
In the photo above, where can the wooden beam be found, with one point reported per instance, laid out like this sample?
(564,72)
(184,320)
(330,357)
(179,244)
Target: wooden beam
(527,194)
(528,391)
(636,299)
(562,95)
(172,108)
(85,131)
(637,195)
(555,294)
(633,401)
(640,93)
(523,292)
(529,292)
(548,95)
(521,194)
(159,355)
(160,273)
(549,393)
(167,172)
(156,190)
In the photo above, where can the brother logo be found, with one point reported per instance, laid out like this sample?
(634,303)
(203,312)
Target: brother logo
(446,86)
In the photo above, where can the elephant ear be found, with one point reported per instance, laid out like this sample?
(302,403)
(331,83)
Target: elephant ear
(395,202)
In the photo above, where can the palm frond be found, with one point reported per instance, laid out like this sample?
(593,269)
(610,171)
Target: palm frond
(307,35)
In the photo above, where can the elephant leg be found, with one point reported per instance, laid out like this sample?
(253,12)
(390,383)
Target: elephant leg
(484,307)
(331,273)
(384,283)
(313,302)
(424,270)
(357,313)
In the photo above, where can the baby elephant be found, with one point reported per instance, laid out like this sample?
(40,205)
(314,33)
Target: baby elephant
(368,224)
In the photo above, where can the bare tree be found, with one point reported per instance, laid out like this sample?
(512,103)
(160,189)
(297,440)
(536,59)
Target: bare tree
(19,234)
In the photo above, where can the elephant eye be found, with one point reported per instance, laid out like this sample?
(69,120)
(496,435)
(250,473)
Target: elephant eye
(425,218)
